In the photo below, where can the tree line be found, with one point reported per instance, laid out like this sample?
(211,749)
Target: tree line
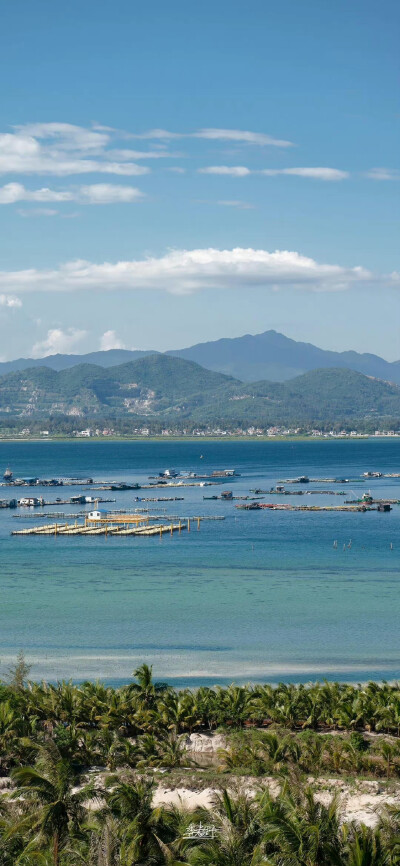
(80,766)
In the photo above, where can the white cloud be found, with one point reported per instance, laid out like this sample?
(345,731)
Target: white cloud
(13,192)
(233,170)
(58,340)
(316,173)
(97,193)
(109,340)
(159,153)
(177,169)
(241,205)
(10,301)
(243,136)
(187,271)
(16,163)
(162,134)
(107,193)
(240,135)
(37,211)
(61,149)
(383,174)
(67,135)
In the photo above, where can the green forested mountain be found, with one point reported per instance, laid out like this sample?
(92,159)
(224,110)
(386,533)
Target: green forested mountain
(175,390)
(152,385)
(318,397)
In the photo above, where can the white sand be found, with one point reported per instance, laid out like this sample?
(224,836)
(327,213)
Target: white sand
(360,802)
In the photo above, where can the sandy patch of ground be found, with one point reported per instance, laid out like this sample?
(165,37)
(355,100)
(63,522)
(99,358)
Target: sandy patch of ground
(360,802)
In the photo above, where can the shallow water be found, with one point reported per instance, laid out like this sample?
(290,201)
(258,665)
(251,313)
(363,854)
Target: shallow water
(258,596)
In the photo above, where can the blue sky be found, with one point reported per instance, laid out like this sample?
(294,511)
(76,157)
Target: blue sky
(177,172)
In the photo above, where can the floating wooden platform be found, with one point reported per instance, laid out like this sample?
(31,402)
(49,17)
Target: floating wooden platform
(122,529)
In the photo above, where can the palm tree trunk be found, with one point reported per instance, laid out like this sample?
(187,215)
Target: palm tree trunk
(56,853)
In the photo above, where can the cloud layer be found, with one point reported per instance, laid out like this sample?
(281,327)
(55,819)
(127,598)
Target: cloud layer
(383,174)
(65,149)
(187,271)
(110,340)
(316,173)
(97,193)
(241,136)
(10,301)
(58,340)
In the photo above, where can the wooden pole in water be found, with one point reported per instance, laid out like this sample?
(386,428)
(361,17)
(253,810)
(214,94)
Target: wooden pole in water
(179,527)
(55,529)
(198,523)
(160,533)
(188,524)
(171,529)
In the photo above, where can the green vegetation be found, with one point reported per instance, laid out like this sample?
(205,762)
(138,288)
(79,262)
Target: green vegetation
(83,763)
(161,390)
(153,386)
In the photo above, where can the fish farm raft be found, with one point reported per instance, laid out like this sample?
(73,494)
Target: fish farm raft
(110,525)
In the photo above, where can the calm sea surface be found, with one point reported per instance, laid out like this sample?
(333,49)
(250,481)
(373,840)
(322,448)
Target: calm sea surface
(258,596)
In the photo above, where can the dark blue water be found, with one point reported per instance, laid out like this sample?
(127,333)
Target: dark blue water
(258,596)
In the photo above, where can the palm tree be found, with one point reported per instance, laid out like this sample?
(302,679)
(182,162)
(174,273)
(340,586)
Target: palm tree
(179,711)
(300,830)
(122,752)
(10,727)
(364,847)
(312,748)
(140,825)
(238,839)
(48,785)
(389,752)
(234,706)
(172,752)
(146,689)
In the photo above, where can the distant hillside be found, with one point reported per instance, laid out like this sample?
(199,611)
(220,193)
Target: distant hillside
(318,397)
(270,356)
(109,358)
(174,390)
(152,385)
(277,358)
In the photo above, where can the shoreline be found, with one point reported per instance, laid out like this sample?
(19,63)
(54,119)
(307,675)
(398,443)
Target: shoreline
(168,440)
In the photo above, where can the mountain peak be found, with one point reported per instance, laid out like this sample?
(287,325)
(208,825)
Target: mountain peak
(268,355)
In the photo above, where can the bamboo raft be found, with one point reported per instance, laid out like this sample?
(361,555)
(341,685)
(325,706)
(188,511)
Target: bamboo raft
(106,529)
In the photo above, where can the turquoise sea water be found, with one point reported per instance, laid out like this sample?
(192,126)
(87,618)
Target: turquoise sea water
(258,596)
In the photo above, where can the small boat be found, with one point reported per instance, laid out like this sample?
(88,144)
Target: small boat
(123,486)
(8,475)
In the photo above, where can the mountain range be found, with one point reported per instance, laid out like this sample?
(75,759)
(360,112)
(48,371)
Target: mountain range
(174,391)
(277,358)
(269,355)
